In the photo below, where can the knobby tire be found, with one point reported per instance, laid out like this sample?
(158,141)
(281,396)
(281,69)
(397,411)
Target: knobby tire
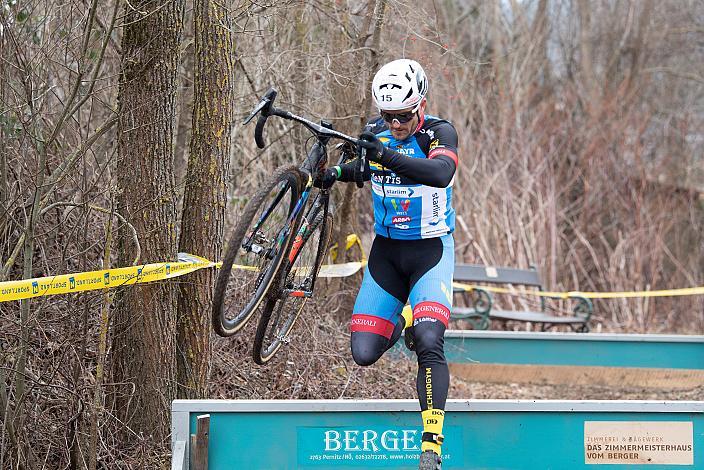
(238,302)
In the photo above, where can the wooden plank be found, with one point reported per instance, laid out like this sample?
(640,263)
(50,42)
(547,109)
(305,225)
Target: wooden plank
(178,458)
(496,275)
(573,349)
(200,450)
(535,317)
(191,460)
(581,375)
(330,434)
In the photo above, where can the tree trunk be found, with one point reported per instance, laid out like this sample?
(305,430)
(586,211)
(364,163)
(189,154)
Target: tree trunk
(144,336)
(206,190)
(592,92)
(347,205)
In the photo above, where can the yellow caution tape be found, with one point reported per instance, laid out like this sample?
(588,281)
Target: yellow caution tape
(188,263)
(104,279)
(588,295)
(110,278)
(352,239)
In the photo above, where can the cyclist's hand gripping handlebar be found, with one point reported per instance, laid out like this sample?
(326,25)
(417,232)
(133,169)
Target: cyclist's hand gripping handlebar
(265,106)
(359,166)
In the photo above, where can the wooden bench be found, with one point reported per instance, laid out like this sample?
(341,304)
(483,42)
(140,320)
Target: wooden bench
(479,310)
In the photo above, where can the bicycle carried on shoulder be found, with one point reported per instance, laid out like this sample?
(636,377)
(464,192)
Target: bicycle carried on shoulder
(276,250)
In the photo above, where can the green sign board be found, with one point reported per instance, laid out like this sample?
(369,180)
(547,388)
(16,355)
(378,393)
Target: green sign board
(360,434)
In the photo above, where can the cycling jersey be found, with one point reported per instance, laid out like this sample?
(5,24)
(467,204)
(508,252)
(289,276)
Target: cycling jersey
(403,208)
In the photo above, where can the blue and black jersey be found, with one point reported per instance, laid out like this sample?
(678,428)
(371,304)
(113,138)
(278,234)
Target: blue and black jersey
(412,195)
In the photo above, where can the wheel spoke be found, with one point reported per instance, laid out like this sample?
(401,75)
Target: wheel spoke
(281,312)
(254,252)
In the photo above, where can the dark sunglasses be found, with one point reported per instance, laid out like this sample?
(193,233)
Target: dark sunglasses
(402,118)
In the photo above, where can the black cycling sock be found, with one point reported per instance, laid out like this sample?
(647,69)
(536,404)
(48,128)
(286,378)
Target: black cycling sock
(433,379)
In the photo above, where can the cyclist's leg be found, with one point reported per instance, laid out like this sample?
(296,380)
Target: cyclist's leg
(431,299)
(376,319)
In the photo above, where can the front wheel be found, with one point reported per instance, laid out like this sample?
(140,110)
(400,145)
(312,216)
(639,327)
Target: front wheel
(284,307)
(255,251)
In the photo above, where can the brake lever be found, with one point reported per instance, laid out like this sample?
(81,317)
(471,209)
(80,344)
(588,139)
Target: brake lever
(259,107)
(264,104)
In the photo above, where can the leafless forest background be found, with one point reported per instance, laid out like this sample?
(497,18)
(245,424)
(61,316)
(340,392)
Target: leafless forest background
(581,151)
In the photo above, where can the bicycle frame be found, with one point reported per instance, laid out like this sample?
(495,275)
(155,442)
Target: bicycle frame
(318,156)
(323,203)
(316,160)
(298,241)
(290,221)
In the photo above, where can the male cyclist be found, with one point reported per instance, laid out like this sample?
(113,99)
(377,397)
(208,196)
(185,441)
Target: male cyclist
(412,161)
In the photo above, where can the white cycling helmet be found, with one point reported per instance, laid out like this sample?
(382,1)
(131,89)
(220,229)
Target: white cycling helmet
(398,85)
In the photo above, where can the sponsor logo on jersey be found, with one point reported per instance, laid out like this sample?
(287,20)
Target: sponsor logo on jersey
(402,226)
(436,209)
(384,140)
(429,132)
(363,322)
(435,310)
(371,324)
(399,192)
(429,387)
(400,219)
(377,166)
(443,230)
(432,307)
(434,143)
(406,151)
(403,204)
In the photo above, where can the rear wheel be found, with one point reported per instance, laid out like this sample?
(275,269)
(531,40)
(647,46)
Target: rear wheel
(283,307)
(255,251)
